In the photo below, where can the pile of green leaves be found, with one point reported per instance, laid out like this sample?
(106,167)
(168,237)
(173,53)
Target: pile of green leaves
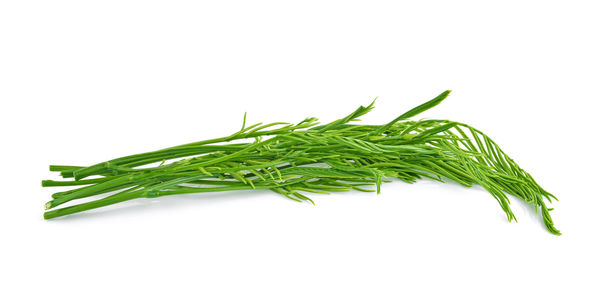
(295,159)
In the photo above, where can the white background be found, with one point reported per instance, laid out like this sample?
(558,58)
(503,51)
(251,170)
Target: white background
(86,81)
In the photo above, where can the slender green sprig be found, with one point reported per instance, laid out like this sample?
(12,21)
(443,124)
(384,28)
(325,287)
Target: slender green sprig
(295,159)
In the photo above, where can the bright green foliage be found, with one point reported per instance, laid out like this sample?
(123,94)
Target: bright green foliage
(295,159)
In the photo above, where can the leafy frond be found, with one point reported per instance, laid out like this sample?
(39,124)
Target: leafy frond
(295,159)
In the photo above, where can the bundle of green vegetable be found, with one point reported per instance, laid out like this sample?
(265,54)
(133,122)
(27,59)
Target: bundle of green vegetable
(295,159)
